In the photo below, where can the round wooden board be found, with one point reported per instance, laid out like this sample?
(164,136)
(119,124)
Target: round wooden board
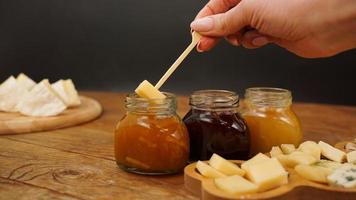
(15,123)
(297,188)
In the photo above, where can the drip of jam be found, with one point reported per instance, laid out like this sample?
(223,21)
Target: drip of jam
(223,133)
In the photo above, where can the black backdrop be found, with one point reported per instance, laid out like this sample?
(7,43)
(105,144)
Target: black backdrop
(112,45)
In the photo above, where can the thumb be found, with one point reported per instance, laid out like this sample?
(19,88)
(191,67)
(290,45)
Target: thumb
(222,24)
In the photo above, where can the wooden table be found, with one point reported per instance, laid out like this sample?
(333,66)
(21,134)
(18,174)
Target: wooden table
(78,162)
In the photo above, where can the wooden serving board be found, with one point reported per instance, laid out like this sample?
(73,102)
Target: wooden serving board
(297,188)
(15,123)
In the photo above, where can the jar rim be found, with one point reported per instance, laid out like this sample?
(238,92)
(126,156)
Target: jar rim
(137,104)
(135,96)
(212,99)
(268,96)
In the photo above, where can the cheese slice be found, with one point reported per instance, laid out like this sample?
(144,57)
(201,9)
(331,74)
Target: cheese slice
(331,152)
(351,157)
(235,185)
(25,81)
(267,174)
(311,148)
(225,166)
(41,101)
(256,159)
(147,90)
(67,91)
(208,171)
(11,94)
(313,172)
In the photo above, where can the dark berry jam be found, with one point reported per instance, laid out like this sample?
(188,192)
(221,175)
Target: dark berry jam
(224,133)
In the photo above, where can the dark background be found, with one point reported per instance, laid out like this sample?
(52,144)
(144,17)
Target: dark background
(112,45)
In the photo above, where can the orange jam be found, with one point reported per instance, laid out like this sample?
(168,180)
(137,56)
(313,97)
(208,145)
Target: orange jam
(270,119)
(151,142)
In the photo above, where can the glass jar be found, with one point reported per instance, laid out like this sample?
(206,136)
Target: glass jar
(151,139)
(215,126)
(270,119)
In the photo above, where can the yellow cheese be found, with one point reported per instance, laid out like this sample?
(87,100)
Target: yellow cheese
(331,152)
(256,159)
(207,171)
(147,90)
(284,160)
(313,172)
(225,166)
(267,174)
(275,151)
(287,148)
(311,148)
(351,157)
(235,185)
(298,158)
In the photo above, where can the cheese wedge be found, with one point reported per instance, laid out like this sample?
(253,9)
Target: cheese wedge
(311,148)
(287,148)
(225,166)
(41,101)
(267,174)
(275,151)
(147,90)
(331,152)
(10,95)
(256,159)
(298,158)
(235,185)
(67,91)
(351,157)
(207,171)
(25,81)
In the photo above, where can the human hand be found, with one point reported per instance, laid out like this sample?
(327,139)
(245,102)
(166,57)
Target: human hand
(308,28)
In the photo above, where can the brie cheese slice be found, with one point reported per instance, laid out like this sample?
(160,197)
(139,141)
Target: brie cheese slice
(25,81)
(42,101)
(67,91)
(11,94)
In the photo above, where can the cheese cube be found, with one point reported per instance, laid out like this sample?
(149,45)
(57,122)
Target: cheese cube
(147,90)
(256,159)
(287,148)
(225,166)
(67,91)
(207,171)
(275,151)
(351,157)
(284,160)
(235,185)
(331,152)
(311,148)
(267,174)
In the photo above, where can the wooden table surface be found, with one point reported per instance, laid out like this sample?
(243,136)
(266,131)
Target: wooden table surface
(78,162)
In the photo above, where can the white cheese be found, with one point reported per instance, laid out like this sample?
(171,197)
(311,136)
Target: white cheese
(41,101)
(351,157)
(147,90)
(311,148)
(225,166)
(331,152)
(25,81)
(208,171)
(344,176)
(256,159)
(287,148)
(11,93)
(275,151)
(67,91)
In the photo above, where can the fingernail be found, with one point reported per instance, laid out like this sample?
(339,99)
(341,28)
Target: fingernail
(203,24)
(199,49)
(260,41)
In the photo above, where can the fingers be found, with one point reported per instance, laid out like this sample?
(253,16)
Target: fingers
(216,6)
(221,25)
(207,43)
(253,39)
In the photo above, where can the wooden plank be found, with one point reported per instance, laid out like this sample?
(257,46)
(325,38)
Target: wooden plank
(82,176)
(10,189)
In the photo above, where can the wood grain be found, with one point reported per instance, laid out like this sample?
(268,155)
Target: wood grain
(82,157)
(14,123)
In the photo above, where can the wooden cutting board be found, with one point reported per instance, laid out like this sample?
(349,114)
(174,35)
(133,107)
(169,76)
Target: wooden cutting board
(297,188)
(15,123)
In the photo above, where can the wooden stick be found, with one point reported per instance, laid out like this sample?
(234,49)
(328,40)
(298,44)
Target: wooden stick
(195,39)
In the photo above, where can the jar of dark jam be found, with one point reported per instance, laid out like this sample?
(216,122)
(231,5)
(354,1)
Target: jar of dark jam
(215,126)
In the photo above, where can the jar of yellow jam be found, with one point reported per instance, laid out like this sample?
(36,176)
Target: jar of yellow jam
(270,119)
(151,139)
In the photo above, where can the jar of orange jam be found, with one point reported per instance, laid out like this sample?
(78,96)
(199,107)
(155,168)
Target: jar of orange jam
(270,119)
(151,139)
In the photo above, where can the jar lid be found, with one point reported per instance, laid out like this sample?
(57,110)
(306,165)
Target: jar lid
(214,99)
